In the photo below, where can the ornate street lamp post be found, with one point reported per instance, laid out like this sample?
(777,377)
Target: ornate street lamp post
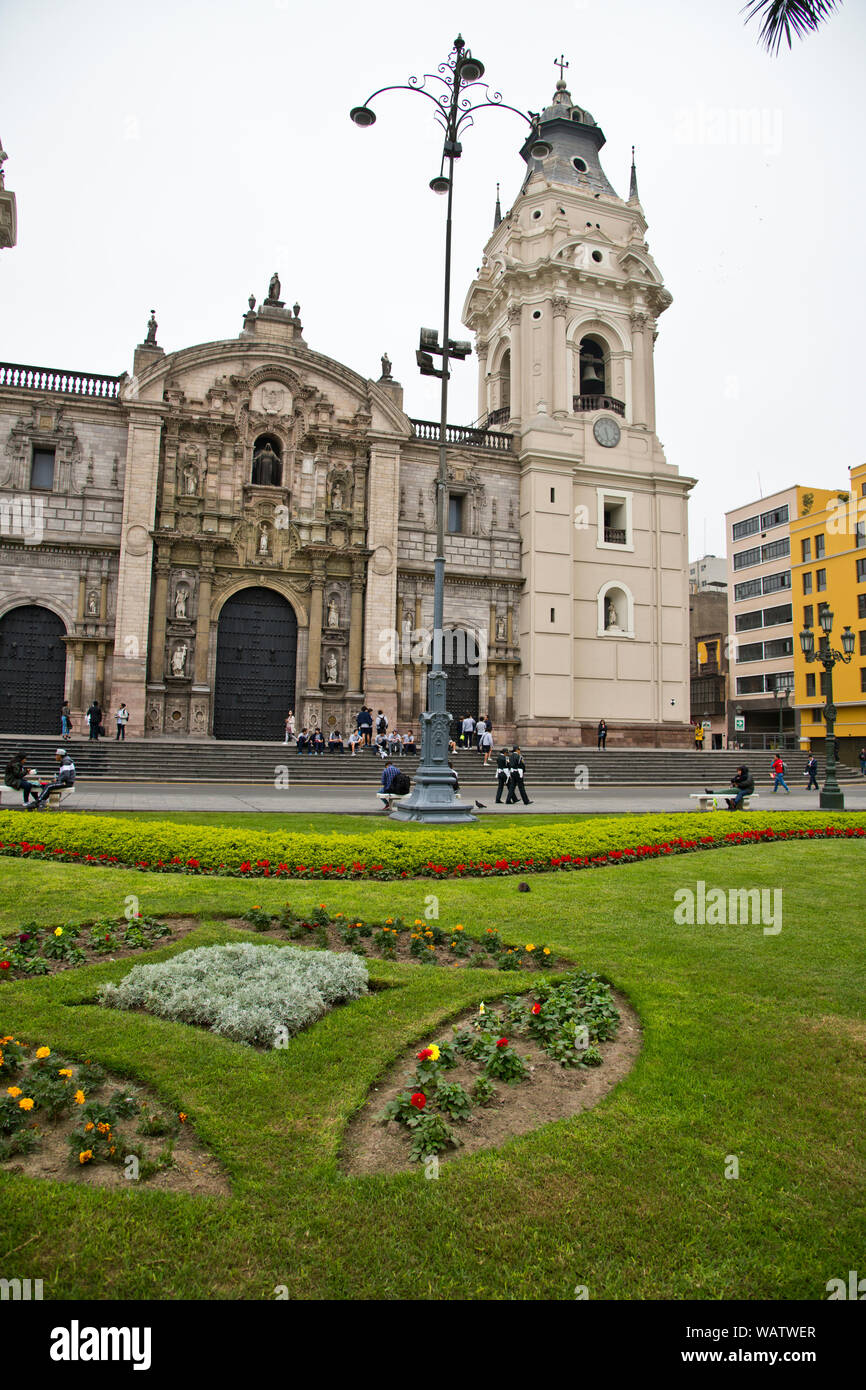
(432,797)
(830,798)
(782,694)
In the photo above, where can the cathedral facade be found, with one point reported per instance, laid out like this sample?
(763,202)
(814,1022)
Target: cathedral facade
(245,527)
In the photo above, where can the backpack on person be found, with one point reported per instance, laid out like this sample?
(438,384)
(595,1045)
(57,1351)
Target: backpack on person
(382,724)
(401,784)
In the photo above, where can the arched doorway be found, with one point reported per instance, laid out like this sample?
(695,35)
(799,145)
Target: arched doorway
(257,648)
(32,670)
(460,660)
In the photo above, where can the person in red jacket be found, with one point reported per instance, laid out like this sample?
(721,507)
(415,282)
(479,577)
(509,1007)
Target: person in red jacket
(779,775)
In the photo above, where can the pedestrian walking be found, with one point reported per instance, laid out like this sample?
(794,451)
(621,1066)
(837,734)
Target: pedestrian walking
(862,757)
(501,773)
(602,733)
(94,720)
(811,771)
(485,745)
(290,727)
(65,719)
(516,774)
(699,736)
(121,719)
(778,772)
(467,729)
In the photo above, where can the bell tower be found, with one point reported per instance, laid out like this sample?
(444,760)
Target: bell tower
(565,309)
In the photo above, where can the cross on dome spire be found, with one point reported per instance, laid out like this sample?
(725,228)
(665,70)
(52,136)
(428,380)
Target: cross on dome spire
(562,65)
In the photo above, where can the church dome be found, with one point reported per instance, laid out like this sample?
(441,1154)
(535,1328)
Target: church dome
(575,139)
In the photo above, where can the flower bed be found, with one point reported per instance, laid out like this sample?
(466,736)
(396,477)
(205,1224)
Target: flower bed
(35,950)
(386,853)
(420,941)
(503,1071)
(254,994)
(60,1118)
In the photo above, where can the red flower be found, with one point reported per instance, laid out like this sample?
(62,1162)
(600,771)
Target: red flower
(536,1008)
(424,1054)
(4,965)
(191,864)
(419,1100)
(503,1042)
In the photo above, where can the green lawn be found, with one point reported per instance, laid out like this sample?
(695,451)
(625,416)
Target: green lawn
(754,1046)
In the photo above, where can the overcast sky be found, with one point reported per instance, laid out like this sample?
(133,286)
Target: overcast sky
(174,155)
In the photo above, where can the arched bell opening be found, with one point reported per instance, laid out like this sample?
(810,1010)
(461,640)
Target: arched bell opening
(593,367)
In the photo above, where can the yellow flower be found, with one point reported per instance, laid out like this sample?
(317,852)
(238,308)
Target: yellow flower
(389,920)
(85,1156)
(529,946)
(546,951)
(78,1097)
(65,1071)
(88,1127)
(25,1104)
(481,1008)
(13,1091)
(339,914)
(58,931)
(434,1053)
(430,948)
(112,1149)
(6,1039)
(103,1127)
(418,922)
(43,1052)
(182,1117)
(459,926)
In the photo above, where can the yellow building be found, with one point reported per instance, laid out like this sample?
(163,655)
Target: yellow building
(828,568)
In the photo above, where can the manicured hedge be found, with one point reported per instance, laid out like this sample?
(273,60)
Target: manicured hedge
(390,852)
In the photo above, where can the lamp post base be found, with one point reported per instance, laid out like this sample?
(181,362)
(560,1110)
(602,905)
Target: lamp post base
(831,800)
(430,805)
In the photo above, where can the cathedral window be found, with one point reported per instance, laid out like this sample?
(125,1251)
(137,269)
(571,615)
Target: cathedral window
(42,469)
(455,513)
(614,519)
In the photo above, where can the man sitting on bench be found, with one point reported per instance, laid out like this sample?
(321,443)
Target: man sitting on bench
(394,783)
(745,785)
(65,778)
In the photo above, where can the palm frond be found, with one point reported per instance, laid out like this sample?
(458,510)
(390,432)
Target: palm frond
(782,18)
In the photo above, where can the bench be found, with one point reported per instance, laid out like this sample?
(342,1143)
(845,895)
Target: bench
(709,801)
(55,798)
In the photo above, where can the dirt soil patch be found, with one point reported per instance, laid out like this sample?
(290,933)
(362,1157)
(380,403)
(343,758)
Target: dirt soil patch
(190,1167)
(550,1092)
(179,927)
(329,938)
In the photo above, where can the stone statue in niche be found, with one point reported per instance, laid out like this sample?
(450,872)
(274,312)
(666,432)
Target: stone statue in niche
(331,669)
(180,603)
(333,613)
(92,604)
(337,498)
(264,540)
(178,660)
(267,468)
(501,629)
(612,619)
(190,480)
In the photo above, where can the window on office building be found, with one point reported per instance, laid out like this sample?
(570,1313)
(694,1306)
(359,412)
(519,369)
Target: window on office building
(750,685)
(741,529)
(808,612)
(774,582)
(782,646)
(819,547)
(806,550)
(746,622)
(783,614)
(775,550)
(777,517)
(810,685)
(750,588)
(820,579)
(750,651)
(807,581)
(744,558)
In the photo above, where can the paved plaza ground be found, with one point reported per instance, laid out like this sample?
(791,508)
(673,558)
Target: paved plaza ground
(309,799)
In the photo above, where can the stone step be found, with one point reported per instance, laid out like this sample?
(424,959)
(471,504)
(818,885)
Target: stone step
(174,760)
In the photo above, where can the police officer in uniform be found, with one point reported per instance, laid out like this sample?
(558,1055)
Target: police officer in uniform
(516,770)
(501,773)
